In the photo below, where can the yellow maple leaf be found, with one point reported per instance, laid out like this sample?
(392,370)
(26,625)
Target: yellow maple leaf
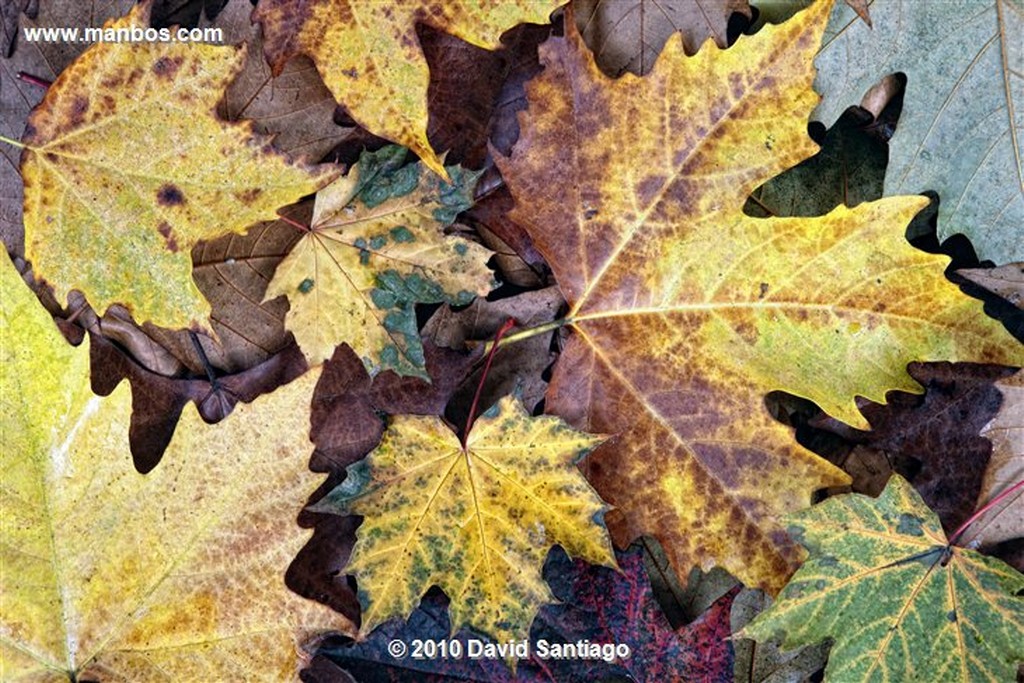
(369,56)
(127,166)
(476,521)
(686,312)
(109,574)
(375,249)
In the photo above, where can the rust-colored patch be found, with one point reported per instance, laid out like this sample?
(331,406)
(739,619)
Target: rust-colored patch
(169,195)
(248,196)
(76,115)
(164,228)
(167,67)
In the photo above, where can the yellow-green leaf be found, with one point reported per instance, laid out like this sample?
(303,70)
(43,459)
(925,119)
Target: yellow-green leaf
(686,311)
(127,166)
(477,521)
(376,248)
(900,604)
(110,575)
(369,55)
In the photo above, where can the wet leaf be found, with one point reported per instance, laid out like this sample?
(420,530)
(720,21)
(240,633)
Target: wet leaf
(898,601)
(686,312)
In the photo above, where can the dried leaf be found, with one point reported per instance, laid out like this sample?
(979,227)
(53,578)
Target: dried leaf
(112,575)
(686,312)
(1005,281)
(900,603)
(628,35)
(131,218)
(475,521)
(369,56)
(766,662)
(956,136)
(375,249)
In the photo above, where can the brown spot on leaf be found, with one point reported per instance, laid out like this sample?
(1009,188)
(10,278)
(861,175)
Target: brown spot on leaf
(165,230)
(248,196)
(648,188)
(166,67)
(79,106)
(169,195)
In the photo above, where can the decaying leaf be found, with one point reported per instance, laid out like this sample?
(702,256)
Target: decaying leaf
(627,35)
(1005,520)
(957,134)
(295,105)
(111,575)
(1005,281)
(477,521)
(686,312)
(369,55)
(766,662)
(900,603)
(375,249)
(126,167)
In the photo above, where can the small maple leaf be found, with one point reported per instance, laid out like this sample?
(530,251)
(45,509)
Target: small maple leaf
(475,520)
(900,602)
(376,248)
(127,166)
(370,57)
(686,312)
(112,575)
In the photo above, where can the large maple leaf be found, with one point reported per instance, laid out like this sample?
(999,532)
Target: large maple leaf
(369,55)
(112,575)
(477,520)
(127,166)
(899,601)
(686,312)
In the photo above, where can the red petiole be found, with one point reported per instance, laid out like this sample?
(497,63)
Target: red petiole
(985,508)
(34,80)
(505,327)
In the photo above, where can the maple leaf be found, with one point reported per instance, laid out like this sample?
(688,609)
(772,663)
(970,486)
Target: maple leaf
(899,601)
(957,134)
(126,167)
(475,520)
(375,249)
(686,312)
(112,575)
(369,55)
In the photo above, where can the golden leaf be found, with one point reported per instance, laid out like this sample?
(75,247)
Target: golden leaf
(686,312)
(477,521)
(109,574)
(127,167)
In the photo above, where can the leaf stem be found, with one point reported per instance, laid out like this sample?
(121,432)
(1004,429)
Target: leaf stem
(294,223)
(211,376)
(34,80)
(11,142)
(505,327)
(523,335)
(983,509)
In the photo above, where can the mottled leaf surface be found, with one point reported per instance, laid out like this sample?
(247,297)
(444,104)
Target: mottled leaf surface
(377,247)
(900,604)
(961,132)
(686,312)
(476,521)
(127,167)
(628,35)
(370,57)
(111,575)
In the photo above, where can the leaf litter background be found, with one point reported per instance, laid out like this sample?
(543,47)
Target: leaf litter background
(957,443)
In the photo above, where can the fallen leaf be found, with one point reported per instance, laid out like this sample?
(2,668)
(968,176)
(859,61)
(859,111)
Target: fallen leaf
(112,575)
(477,521)
(934,439)
(956,135)
(376,248)
(129,177)
(9,18)
(370,58)
(766,662)
(1005,281)
(686,312)
(294,106)
(899,602)
(628,35)
(1005,520)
